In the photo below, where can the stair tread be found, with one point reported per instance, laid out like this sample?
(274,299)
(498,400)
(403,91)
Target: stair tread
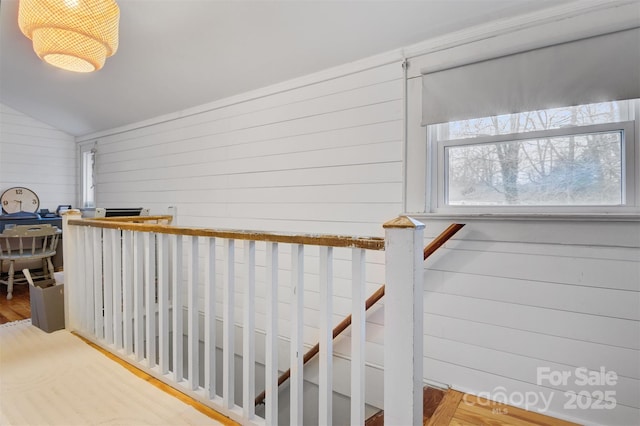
(431,398)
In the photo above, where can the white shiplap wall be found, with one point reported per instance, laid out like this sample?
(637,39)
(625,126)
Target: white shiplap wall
(508,297)
(321,158)
(37,156)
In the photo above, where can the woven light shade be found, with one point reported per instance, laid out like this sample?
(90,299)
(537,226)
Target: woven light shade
(75,35)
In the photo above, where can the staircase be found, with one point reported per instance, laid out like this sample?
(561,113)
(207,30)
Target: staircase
(432,398)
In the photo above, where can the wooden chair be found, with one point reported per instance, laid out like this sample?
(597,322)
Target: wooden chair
(28,243)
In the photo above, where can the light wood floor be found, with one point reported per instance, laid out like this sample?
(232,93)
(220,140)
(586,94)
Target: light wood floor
(441,408)
(453,408)
(431,400)
(459,409)
(19,307)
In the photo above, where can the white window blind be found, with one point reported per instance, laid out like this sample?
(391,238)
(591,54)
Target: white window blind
(602,68)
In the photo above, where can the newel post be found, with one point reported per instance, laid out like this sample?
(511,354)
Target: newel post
(403,330)
(69,262)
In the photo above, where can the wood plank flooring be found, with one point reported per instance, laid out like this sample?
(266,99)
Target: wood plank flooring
(19,307)
(446,409)
(459,409)
(431,399)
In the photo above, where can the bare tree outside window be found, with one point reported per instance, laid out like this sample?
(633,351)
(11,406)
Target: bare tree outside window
(576,169)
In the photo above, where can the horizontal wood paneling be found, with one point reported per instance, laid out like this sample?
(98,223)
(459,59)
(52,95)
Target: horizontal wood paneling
(353,193)
(604,273)
(374,174)
(475,381)
(323,156)
(544,347)
(376,132)
(288,97)
(557,231)
(20,125)
(206,167)
(500,363)
(321,113)
(589,328)
(47,150)
(330,122)
(39,168)
(36,155)
(505,298)
(562,297)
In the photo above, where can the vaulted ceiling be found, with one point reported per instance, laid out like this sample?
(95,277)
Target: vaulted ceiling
(177,54)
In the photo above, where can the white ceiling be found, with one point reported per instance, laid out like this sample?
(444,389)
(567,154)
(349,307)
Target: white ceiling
(176,54)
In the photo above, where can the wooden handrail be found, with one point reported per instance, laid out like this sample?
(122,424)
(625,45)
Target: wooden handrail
(377,295)
(139,219)
(367,243)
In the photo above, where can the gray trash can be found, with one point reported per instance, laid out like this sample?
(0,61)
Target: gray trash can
(47,305)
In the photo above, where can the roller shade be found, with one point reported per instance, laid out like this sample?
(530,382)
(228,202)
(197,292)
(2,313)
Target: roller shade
(602,68)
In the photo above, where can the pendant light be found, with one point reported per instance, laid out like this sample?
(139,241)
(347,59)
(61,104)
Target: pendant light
(75,35)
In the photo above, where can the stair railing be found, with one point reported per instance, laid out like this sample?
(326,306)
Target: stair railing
(147,292)
(429,249)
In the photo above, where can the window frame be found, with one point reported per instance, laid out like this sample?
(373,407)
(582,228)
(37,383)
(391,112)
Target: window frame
(438,173)
(87,150)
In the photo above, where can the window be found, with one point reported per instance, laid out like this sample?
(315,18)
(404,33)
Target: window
(87,174)
(574,159)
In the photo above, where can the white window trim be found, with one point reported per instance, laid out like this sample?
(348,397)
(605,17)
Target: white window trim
(435,176)
(83,148)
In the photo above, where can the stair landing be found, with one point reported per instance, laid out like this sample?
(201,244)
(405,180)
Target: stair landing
(448,408)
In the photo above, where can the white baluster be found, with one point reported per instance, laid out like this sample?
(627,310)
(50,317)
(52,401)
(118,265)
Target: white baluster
(89,317)
(228,343)
(107,262)
(297,327)
(358,332)
(96,242)
(138,296)
(150,287)
(248,332)
(271,361)
(116,256)
(325,374)
(176,283)
(192,301)
(163,302)
(81,272)
(127,290)
(210,320)
(96,238)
